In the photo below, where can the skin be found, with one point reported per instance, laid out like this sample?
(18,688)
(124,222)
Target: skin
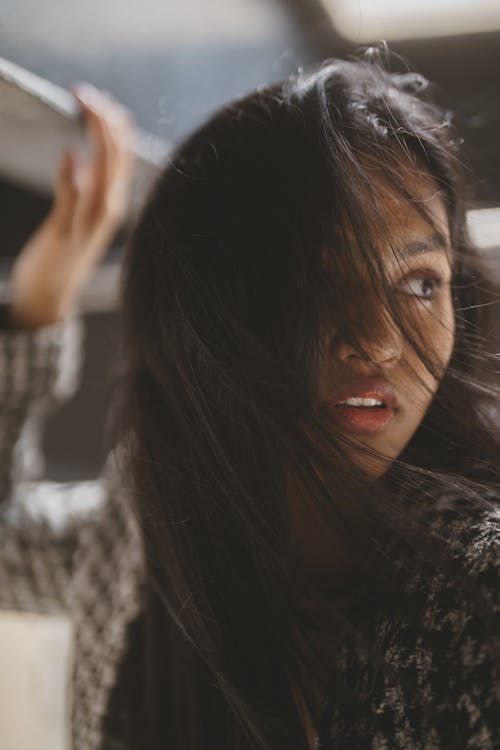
(417,263)
(419,273)
(421,281)
(90,203)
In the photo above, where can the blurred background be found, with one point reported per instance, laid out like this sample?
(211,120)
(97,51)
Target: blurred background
(174,62)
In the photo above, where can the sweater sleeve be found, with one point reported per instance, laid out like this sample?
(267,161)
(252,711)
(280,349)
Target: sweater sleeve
(38,520)
(71,548)
(39,368)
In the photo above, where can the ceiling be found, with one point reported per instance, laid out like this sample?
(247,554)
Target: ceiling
(464,67)
(174,62)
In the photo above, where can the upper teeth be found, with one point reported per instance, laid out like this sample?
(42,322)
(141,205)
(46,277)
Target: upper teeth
(362,402)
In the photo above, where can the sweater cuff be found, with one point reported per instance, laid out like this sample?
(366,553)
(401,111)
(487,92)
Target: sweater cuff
(38,362)
(38,368)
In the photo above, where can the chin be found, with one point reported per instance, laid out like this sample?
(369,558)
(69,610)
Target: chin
(375,457)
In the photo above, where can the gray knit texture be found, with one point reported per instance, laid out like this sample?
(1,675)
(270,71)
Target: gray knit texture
(71,548)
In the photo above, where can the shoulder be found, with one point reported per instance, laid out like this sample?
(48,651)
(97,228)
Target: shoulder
(454,641)
(461,628)
(446,647)
(463,592)
(470,528)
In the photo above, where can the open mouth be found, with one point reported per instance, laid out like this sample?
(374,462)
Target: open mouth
(364,406)
(365,416)
(362,403)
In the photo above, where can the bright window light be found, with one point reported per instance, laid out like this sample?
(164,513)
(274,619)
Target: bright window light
(484,227)
(371,20)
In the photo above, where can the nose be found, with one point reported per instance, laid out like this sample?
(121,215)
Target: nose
(383,352)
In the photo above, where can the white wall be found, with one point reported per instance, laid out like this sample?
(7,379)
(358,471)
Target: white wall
(35,656)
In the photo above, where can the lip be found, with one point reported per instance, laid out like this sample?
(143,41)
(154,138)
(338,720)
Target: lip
(363,420)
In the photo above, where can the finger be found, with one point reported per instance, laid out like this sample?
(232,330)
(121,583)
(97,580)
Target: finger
(111,129)
(100,167)
(121,177)
(121,131)
(119,121)
(123,135)
(102,102)
(65,191)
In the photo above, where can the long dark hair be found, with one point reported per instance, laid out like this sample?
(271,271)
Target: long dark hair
(226,300)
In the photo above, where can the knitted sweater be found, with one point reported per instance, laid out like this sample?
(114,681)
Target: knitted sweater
(438,687)
(77,549)
(64,548)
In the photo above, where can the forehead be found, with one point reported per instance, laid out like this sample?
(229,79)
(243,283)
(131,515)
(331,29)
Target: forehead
(410,223)
(397,220)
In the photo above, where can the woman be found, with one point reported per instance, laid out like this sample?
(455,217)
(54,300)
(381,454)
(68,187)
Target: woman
(308,452)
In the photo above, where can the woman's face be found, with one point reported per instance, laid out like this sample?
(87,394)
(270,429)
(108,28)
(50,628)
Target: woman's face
(377,395)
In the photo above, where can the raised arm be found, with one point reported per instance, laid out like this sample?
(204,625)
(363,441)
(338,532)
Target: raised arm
(39,356)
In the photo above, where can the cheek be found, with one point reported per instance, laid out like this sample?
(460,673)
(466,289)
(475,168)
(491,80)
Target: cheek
(438,329)
(442,337)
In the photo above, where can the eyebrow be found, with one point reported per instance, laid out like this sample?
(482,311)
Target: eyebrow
(435,241)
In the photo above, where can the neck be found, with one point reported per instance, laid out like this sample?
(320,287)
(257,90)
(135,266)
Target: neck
(319,549)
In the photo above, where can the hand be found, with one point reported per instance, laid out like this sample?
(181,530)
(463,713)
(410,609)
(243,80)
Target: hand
(91,200)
